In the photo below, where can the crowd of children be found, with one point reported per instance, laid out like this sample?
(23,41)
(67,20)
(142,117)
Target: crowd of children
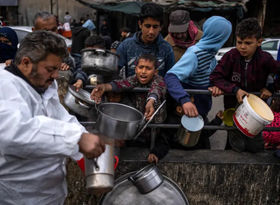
(242,70)
(146,60)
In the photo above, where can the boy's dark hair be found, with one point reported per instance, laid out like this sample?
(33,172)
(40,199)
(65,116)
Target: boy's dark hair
(275,105)
(249,27)
(95,40)
(151,10)
(125,29)
(148,57)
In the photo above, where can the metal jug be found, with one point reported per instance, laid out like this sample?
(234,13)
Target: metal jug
(100,171)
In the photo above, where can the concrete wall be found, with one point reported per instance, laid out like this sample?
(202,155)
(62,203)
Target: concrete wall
(207,177)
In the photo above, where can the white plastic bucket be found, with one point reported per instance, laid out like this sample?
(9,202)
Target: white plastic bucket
(252,116)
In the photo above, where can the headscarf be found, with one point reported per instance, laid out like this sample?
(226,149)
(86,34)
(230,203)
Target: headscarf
(8,51)
(216,31)
(89,25)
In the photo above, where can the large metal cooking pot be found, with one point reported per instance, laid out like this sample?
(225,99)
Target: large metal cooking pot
(79,102)
(147,179)
(98,61)
(126,193)
(100,171)
(118,121)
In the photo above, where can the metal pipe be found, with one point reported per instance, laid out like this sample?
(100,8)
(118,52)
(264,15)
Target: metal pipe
(190,91)
(207,127)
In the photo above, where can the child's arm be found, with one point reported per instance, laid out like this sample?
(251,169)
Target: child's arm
(158,88)
(222,74)
(149,108)
(160,149)
(99,90)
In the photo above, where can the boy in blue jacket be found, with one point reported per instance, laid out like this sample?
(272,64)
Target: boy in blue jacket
(192,71)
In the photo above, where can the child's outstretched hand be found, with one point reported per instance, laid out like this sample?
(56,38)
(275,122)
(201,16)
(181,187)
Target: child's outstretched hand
(220,114)
(265,93)
(97,92)
(149,109)
(215,91)
(78,84)
(239,95)
(190,109)
(152,158)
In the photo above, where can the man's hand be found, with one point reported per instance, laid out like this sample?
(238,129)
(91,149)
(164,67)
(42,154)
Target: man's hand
(239,95)
(215,91)
(91,145)
(152,158)
(190,109)
(265,93)
(78,84)
(8,62)
(64,66)
(98,91)
(149,109)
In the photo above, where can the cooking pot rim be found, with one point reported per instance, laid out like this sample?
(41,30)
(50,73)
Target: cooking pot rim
(144,172)
(81,94)
(112,103)
(100,50)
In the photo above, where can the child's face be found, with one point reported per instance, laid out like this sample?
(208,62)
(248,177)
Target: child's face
(145,70)
(247,46)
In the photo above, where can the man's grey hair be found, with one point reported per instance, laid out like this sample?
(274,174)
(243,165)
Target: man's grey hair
(38,45)
(42,15)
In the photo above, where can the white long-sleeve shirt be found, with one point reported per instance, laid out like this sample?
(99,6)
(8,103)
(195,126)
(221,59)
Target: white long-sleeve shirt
(36,134)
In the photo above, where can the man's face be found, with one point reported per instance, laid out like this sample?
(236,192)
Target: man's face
(45,72)
(247,46)
(123,34)
(150,29)
(47,25)
(5,40)
(145,70)
(180,36)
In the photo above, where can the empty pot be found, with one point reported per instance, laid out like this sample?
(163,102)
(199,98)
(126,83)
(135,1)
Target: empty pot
(147,179)
(98,61)
(189,131)
(118,121)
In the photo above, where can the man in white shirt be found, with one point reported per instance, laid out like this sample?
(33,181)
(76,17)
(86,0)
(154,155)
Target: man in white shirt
(36,132)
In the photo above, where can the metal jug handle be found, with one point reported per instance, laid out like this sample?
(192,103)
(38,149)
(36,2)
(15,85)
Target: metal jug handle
(116,162)
(95,163)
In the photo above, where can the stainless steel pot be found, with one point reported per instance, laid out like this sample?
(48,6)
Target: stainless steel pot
(100,171)
(98,61)
(79,102)
(189,131)
(125,193)
(118,121)
(147,179)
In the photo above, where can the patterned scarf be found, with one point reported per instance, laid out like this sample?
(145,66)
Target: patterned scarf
(192,31)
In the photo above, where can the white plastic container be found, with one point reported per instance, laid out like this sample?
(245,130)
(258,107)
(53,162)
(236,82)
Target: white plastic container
(252,116)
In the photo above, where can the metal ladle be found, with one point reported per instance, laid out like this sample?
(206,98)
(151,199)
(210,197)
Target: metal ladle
(144,127)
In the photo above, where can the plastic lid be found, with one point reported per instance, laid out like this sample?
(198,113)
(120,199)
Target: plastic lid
(192,124)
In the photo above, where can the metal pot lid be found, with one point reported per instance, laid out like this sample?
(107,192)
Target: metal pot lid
(192,124)
(125,193)
(99,50)
(82,95)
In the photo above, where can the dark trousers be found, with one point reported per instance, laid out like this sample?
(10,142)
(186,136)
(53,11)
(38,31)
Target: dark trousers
(242,143)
